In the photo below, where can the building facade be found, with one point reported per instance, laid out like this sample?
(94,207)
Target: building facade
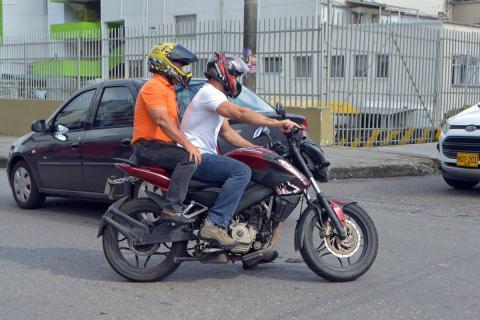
(30,16)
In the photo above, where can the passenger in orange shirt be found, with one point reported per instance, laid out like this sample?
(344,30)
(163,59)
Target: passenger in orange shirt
(156,133)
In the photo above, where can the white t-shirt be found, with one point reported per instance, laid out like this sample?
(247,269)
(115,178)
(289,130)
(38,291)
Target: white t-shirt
(201,123)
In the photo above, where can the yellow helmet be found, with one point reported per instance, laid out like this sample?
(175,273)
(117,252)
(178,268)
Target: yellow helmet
(160,60)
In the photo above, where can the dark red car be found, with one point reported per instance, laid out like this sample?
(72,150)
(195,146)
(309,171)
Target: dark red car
(71,154)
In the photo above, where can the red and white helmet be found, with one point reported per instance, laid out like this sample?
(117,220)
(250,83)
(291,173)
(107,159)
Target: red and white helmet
(226,70)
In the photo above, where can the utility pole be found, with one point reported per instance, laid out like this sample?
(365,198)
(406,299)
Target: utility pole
(250,38)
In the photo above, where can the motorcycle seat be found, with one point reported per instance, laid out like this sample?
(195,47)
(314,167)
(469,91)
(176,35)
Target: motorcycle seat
(130,161)
(194,184)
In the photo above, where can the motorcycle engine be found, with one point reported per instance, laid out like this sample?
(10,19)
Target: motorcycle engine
(244,235)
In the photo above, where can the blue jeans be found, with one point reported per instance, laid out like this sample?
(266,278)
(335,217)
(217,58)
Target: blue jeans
(235,176)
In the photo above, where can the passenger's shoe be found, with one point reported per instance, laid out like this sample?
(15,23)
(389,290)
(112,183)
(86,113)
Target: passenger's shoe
(209,231)
(174,217)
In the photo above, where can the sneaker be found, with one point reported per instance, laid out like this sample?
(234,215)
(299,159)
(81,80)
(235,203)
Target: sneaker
(210,231)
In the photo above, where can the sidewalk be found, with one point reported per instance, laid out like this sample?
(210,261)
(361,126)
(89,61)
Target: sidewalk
(380,162)
(377,162)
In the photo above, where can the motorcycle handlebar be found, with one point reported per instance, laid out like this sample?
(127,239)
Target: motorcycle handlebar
(294,132)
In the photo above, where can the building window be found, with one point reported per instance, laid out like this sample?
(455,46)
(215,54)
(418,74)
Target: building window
(466,70)
(382,65)
(361,65)
(273,64)
(186,25)
(459,70)
(339,15)
(364,18)
(337,67)
(303,67)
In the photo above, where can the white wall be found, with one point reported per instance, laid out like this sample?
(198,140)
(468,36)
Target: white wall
(151,13)
(24,17)
(55,13)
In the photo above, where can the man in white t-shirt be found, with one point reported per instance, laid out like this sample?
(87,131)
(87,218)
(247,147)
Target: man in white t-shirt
(207,117)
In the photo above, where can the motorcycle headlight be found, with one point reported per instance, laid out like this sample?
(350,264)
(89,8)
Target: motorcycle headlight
(446,127)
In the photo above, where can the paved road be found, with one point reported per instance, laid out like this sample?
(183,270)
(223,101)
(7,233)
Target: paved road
(52,266)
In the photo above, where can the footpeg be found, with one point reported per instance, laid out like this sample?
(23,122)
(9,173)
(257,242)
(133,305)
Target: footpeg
(211,250)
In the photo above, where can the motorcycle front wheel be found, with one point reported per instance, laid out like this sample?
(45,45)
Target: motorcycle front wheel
(140,263)
(330,257)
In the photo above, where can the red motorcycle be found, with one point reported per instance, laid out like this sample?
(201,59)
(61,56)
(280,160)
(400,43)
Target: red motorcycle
(336,237)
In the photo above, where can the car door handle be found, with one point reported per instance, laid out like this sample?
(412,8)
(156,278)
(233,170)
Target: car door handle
(126,142)
(75,145)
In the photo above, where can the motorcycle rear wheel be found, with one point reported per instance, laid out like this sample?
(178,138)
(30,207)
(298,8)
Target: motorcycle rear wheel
(331,258)
(131,261)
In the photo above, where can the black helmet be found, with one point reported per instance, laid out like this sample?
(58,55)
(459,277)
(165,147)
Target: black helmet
(226,70)
(162,55)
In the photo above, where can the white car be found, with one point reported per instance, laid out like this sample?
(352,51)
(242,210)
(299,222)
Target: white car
(459,149)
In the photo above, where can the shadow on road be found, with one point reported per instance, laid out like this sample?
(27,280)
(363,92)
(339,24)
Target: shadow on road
(68,262)
(91,265)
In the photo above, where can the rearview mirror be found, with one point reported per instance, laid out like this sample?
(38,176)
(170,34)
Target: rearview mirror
(261,131)
(38,126)
(280,109)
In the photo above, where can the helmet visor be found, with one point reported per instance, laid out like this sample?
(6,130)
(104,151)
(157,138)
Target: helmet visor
(237,67)
(182,55)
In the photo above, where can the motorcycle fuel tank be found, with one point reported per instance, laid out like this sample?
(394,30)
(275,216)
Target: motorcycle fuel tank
(270,169)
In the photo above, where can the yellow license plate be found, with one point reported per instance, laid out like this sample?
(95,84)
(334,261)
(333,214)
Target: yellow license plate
(467,160)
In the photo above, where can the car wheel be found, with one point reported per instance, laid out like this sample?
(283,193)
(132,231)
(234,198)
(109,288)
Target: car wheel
(24,187)
(459,184)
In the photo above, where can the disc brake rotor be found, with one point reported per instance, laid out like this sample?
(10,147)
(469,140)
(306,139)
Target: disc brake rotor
(148,218)
(143,250)
(344,248)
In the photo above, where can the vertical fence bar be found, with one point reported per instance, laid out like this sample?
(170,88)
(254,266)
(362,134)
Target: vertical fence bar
(78,62)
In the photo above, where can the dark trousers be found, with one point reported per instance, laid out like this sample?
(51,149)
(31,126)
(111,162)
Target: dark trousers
(171,157)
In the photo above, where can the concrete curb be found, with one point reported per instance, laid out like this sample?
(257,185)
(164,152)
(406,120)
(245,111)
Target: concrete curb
(418,167)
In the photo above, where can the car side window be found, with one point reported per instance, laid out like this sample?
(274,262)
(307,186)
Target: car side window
(115,108)
(73,116)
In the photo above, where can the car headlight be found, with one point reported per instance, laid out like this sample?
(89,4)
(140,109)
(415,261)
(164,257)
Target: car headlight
(446,127)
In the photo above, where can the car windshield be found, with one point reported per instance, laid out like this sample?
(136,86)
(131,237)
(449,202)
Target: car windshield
(250,100)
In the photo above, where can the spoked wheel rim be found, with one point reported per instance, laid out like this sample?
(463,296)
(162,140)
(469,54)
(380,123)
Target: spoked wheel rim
(22,184)
(143,257)
(337,254)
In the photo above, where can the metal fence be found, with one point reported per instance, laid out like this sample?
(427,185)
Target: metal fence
(53,66)
(372,84)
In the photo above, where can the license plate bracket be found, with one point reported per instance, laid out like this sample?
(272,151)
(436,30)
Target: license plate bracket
(469,160)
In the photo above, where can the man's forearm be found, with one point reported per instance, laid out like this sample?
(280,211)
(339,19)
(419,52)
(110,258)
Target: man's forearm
(255,119)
